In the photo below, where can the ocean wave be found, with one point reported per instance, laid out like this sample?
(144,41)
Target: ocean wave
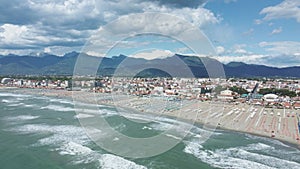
(265,139)
(81,116)
(15,104)
(58,108)
(63,101)
(238,157)
(109,161)
(72,148)
(217,159)
(103,112)
(72,141)
(21,118)
(84,154)
(14,95)
(9,101)
(58,134)
(259,147)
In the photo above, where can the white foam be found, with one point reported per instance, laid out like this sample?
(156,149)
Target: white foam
(21,118)
(259,146)
(116,139)
(81,116)
(109,161)
(102,112)
(219,160)
(64,101)
(15,105)
(29,105)
(58,134)
(72,148)
(14,95)
(146,127)
(58,108)
(239,157)
(277,142)
(9,101)
(172,136)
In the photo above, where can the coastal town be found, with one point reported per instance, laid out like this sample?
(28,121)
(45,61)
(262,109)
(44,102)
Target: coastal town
(280,93)
(267,107)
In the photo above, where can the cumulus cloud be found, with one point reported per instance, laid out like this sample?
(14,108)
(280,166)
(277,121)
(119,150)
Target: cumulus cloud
(242,58)
(239,49)
(281,47)
(258,21)
(220,50)
(29,36)
(153,54)
(286,9)
(276,31)
(71,22)
(262,59)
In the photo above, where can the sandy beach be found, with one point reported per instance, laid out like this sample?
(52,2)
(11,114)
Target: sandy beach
(281,124)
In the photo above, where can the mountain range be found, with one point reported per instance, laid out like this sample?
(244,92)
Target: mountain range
(48,64)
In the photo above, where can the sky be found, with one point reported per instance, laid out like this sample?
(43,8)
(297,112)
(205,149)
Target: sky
(255,32)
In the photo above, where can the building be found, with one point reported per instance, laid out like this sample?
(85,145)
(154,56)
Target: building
(6,80)
(225,95)
(296,105)
(270,98)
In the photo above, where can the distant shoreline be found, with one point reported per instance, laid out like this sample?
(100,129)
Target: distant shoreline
(238,120)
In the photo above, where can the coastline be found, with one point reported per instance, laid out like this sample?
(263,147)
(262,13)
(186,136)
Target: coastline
(206,114)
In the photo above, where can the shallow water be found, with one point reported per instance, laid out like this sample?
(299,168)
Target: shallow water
(44,132)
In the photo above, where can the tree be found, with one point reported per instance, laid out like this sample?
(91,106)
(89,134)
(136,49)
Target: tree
(238,90)
(279,92)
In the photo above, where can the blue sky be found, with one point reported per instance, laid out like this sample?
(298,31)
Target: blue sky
(257,32)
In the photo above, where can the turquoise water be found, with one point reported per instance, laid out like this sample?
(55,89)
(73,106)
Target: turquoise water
(39,132)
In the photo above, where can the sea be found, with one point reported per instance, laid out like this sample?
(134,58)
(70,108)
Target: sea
(42,132)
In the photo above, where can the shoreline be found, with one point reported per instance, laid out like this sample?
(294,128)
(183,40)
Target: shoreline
(205,116)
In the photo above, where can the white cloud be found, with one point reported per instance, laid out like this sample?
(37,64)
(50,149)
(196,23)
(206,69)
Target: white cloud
(276,31)
(92,53)
(286,9)
(261,59)
(281,47)
(32,36)
(258,21)
(70,22)
(239,49)
(250,59)
(183,50)
(220,50)
(47,50)
(13,33)
(229,1)
(153,54)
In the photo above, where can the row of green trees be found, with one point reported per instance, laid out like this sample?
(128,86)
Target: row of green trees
(279,92)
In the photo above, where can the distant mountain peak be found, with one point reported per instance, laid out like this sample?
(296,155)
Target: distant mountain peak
(71,54)
(235,64)
(48,64)
(39,54)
